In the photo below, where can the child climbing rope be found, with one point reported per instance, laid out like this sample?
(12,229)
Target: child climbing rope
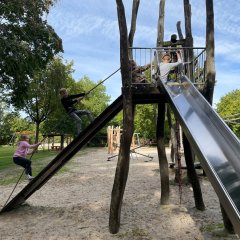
(68,102)
(20,154)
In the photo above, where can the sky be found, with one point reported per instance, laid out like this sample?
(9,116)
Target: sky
(90,34)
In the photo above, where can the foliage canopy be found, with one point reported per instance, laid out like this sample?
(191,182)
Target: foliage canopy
(228,109)
(27,44)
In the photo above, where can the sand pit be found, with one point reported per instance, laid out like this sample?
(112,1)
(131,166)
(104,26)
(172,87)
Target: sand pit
(75,204)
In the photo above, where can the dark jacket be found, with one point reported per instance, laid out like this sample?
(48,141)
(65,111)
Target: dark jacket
(69,101)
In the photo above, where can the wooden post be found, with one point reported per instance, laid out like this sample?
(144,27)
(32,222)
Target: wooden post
(118,137)
(133,141)
(189,38)
(163,163)
(62,142)
(210,53)
(192,175)
(110,139)
(122,169)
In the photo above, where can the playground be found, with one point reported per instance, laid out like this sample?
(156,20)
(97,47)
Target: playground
(155,160)
(76,204)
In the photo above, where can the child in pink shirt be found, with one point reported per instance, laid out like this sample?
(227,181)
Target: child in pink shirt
(20,154)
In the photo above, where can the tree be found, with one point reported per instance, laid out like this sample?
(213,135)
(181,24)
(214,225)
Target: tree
(11,123)
(96,102)
(144,121)
(228,109)
(58,121)
(43,98)
(2,108)
(27,44)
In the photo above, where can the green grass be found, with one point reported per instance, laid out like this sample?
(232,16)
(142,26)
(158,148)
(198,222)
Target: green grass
(211,227)
(10,172)
(6,153)
(135,233)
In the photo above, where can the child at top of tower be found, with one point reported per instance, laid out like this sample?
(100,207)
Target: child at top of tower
(166,65)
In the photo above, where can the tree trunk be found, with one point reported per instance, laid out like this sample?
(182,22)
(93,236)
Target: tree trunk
(160,29)
(210,46)
(135,6)
(189,38)
(179,30)
(192,175)
(163,162)
(37,132)
(122,169)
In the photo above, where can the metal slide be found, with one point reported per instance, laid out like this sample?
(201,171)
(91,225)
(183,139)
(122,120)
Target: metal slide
(66,154)
(216,146)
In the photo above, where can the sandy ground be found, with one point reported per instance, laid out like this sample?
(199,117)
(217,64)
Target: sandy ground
(75,204)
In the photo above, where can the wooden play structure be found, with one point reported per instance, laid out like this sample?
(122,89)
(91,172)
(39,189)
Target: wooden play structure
(114,136)
(52,144)
(207,81)
(113,141)
(189,101)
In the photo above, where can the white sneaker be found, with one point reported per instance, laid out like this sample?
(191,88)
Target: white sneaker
(29,177)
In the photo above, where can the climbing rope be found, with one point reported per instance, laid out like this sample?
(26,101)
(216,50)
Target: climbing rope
(20,176)
(13,189)
(24,169)
(102,81)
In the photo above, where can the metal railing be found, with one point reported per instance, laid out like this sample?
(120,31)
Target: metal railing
(194,60)
(142,57)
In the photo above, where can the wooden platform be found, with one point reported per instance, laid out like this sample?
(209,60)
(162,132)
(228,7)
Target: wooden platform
(147,94)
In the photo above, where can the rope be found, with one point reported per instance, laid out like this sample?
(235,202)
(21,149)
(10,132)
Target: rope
(24,169)
(13,189)
(102,81)
(21,175)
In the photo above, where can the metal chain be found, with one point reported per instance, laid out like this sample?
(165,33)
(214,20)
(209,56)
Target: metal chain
(178,158)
